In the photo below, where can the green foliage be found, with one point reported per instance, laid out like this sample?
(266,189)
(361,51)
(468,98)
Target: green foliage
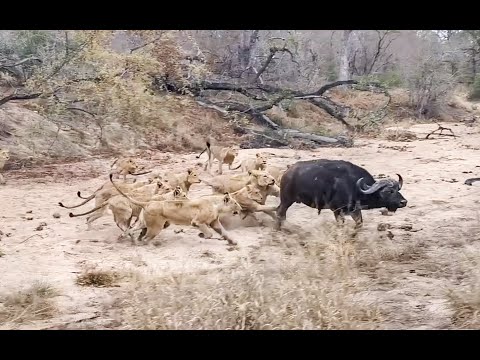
(30,42)
(475,91)
(388,80)
(332,72)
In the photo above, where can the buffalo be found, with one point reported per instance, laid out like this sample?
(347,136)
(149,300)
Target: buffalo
(338,185)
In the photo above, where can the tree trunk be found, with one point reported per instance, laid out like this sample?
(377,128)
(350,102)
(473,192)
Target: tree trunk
(344,70)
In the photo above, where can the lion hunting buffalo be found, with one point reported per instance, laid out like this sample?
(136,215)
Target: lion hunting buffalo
(337,185)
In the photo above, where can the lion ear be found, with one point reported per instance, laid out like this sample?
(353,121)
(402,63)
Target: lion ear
(226,197)
(257,154)
(249,172)
(189,171)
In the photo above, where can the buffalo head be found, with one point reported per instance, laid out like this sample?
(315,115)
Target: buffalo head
(388,191)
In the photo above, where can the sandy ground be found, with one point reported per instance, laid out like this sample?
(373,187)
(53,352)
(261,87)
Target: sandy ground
(442,213)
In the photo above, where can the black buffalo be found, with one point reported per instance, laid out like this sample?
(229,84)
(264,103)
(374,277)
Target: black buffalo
(337,185)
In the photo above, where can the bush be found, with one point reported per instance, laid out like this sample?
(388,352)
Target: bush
(475,91)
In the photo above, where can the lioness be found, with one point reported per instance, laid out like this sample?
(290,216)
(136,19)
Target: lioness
(4,157)
(226,183)
(177,193)
(276,172)
(224,155)
(201,213)
(126,166)
(108,185)
(250,198)
(123,210)
(104,195)
(184,180)
(258,163)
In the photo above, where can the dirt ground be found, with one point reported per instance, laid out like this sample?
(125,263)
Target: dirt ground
(434,236)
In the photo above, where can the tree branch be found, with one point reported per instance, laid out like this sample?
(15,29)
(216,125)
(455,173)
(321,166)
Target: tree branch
(23,61)
(273,51)
(147,43)
(18,97)
(72,108)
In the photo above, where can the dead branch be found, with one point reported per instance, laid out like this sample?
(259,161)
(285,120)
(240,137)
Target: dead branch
(271,96)
(71,108)
(332,109)
(147,43)
(441,128)
(59,128)
(273,51)
(21,62)
(18,97)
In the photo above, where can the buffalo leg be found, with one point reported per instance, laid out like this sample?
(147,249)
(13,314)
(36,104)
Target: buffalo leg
(339,216)
(357,217)
(282,213)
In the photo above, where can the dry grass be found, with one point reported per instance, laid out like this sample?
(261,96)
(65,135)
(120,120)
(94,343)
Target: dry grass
(464,300)
(306,117)
(316,287)
(400,135)
(34,303)
(97,278)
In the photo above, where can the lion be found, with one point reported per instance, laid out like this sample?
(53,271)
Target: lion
(123,210)
(258,163)
(4,157)
(224,155)
(177,193)
(201,213)
(184,180)
(250,198)
(276,172)
(104,195)
(126,166)
(226,183)
(108,185)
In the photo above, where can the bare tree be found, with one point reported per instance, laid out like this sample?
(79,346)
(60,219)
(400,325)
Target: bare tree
(372,51)
(344,70)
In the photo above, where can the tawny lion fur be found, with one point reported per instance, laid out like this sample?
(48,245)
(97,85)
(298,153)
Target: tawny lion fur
(257,163)
(224,155)
(201,213)
(228,183)
(184,180)
(103,196)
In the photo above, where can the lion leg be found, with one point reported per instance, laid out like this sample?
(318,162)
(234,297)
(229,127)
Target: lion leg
(218,227)
(95,216)
(153,231)
(269,210)
(2,180)
(207,233)
(220,166)
(210,160)
(123,218)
